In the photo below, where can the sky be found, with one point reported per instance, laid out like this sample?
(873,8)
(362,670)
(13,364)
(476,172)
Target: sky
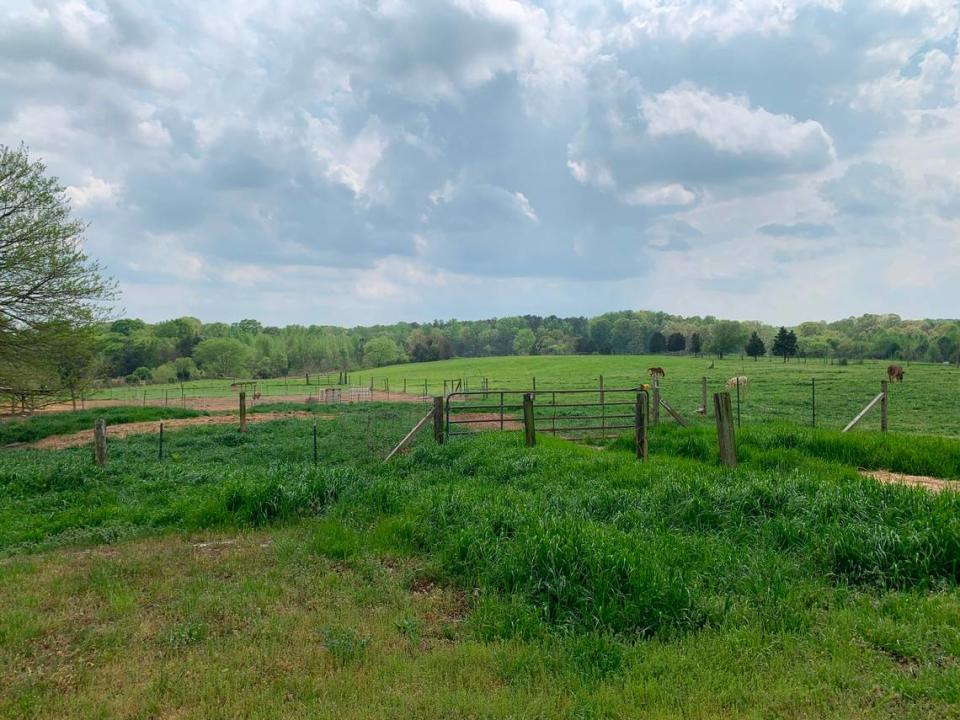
(360,162)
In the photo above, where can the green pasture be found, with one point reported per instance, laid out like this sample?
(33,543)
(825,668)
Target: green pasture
(479,578)
(927,402)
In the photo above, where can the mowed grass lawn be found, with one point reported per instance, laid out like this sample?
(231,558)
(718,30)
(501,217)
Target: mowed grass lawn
(479,578)
(927,402)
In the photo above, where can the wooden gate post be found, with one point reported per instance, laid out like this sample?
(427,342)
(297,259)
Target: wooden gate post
(100,442)
(438,419)
(723,411)
(243,411)
(641,421)
(529,427)
(883,406)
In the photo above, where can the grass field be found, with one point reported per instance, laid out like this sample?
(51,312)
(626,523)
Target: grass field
(479,578)
(928,402)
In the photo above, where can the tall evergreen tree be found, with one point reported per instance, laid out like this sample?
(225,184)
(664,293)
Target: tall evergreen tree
(755,346)
(785,344)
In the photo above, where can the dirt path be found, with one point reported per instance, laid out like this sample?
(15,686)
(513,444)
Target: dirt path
(930,483)
(230,402)
(150,427)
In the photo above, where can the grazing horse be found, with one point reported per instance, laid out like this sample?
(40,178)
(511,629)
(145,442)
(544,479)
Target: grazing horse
(656,372)
(895,372)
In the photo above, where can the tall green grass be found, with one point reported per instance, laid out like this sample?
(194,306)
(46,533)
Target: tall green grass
(560,538)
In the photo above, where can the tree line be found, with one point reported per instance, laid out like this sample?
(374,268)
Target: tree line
(56,337)
(186,348)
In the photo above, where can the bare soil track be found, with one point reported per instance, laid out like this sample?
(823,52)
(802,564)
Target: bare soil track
(85,437)
(225,402)
(929,483)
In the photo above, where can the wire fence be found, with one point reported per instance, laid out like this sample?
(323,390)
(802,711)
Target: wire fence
(829,399)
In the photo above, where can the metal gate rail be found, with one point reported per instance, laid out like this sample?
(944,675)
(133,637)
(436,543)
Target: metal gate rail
(461,410)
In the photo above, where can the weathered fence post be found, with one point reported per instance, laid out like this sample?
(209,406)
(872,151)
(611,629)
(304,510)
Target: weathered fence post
(314,442)
(100,442)
(725,437)
(738,401)
(529,427)
(883,406)
(703,392)
(813,399)
(603,411)
(641,421)
(243,411)
(438,419)
(160,454)
(655,410)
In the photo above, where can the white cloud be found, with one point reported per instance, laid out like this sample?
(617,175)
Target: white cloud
(724,19)
(348,161)
(524,204)
(673,194)
(730,125)
(93,190)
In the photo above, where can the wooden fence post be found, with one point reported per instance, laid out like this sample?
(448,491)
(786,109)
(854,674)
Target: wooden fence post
(641,421)
(813,399)
(529,427)
(314,442)
(100,442)
(723,412)
(438,419)
(883,406)
(738,401)
(160,454)
(655,410)
(703,393)
(243,411)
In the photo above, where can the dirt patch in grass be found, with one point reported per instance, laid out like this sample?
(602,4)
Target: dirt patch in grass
(929,483)
(85,437)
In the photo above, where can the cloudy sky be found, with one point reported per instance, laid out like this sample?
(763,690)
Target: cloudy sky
(362,161)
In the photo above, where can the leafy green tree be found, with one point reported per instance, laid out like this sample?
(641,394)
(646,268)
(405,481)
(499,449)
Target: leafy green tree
(382,350)
(696,344)
(44,274)
(755,346)
(677,342)
(627,337)
(657,342)
(141,374)
(45,278)
(222,357)
(524,342)
(186,369)
(728,336)
(601,333)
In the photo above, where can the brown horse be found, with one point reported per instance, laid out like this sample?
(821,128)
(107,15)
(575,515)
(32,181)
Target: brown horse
(895,372)
(656,372)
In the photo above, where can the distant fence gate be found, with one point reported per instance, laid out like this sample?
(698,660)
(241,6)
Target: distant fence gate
(564,413)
